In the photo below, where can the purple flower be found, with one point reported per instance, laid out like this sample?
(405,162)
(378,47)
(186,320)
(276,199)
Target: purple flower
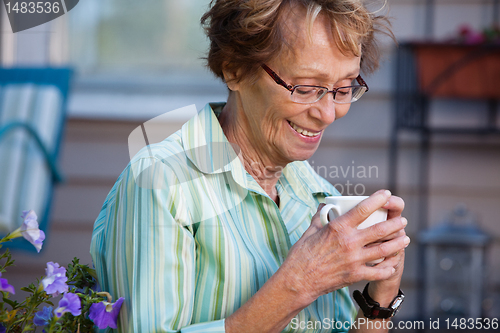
(69,303)
(5,286)
(43,317)
(3,329)
(55,281)
(30,230)
(105,314)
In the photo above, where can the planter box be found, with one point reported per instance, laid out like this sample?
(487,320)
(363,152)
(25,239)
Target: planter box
(458,71)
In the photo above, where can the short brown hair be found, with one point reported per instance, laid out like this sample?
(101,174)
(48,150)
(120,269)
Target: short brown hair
(246,34)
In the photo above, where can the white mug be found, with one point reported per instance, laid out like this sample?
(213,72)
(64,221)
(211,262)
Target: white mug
(339,205)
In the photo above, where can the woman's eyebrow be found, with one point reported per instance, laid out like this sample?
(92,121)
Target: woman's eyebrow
(353,74)
(313,72)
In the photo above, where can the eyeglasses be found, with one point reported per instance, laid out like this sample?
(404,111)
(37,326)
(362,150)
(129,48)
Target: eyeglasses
(306,94)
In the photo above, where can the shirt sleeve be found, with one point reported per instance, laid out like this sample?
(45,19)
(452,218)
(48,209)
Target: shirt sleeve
(143,250)
(346,311)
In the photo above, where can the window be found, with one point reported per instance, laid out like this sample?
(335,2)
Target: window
(129,36)
(139,59)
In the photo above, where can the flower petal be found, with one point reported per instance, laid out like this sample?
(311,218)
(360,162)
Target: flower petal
(69,303)
(30,230)
(43,317)
(55,281)
(101,317)
(29,214)
(5,286)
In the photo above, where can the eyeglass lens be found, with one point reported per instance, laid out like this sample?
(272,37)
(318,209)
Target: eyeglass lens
(308,94)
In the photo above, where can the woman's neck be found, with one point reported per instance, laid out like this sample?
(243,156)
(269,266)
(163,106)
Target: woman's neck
(259,166)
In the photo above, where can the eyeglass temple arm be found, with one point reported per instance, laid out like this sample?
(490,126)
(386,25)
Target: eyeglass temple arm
(362,82)
(289,87)
(276,78)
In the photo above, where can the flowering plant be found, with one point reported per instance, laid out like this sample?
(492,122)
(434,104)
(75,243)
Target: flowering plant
(81,307)
(467,35)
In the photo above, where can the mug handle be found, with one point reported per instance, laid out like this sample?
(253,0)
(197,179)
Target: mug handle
(323,215)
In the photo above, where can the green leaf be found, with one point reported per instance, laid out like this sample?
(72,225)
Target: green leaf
(14,304)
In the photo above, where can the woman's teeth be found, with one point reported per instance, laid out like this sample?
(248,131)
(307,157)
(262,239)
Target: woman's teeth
(303,131)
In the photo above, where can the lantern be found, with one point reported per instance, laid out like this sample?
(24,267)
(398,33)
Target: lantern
(455,253)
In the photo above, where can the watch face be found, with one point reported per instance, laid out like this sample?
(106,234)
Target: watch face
(396,304)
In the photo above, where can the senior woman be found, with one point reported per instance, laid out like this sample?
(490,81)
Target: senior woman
(229,239)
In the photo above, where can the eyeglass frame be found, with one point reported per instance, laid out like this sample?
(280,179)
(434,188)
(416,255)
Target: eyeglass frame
(291,88)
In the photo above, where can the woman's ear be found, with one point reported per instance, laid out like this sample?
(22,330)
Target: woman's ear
(231,78)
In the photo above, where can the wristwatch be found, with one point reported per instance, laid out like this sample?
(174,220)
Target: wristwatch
(372,309)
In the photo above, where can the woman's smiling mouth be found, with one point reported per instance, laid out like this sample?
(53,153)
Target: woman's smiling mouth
(303,131)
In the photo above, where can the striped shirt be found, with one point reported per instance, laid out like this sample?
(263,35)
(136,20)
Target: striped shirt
(187,236)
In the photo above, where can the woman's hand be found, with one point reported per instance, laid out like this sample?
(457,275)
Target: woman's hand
(327,258)
(384,291)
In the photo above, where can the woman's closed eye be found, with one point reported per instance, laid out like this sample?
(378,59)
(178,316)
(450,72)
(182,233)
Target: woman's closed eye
(344,91)
(302,90)
(309,91)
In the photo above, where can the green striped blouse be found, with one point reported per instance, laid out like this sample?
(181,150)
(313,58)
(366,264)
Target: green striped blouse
(187,236)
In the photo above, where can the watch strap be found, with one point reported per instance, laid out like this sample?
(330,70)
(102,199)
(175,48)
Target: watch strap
(372,309)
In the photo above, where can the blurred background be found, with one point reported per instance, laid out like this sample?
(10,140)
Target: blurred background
(440,151)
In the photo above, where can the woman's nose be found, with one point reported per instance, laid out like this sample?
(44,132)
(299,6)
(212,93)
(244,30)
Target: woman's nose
(326,109)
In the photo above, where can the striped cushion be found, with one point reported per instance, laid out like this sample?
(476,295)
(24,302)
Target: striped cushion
(25,179)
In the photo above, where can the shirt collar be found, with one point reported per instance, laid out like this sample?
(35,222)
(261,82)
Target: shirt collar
(208,149)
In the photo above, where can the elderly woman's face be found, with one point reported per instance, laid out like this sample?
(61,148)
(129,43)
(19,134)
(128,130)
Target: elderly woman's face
(272,121)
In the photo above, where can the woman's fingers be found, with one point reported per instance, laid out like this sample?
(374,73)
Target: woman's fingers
(396,234)
(334,255)
(315,222)
(395,206)
(365,208)
(388,249)
(383,231)
(382,271)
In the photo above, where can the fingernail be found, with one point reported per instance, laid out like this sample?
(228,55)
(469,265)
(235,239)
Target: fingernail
(407,241)
(404,221)
(393,270)
(388,193)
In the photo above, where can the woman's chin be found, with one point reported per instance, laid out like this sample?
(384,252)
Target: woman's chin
(302,155)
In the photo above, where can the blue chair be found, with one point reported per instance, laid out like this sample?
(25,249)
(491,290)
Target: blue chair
(32,118)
